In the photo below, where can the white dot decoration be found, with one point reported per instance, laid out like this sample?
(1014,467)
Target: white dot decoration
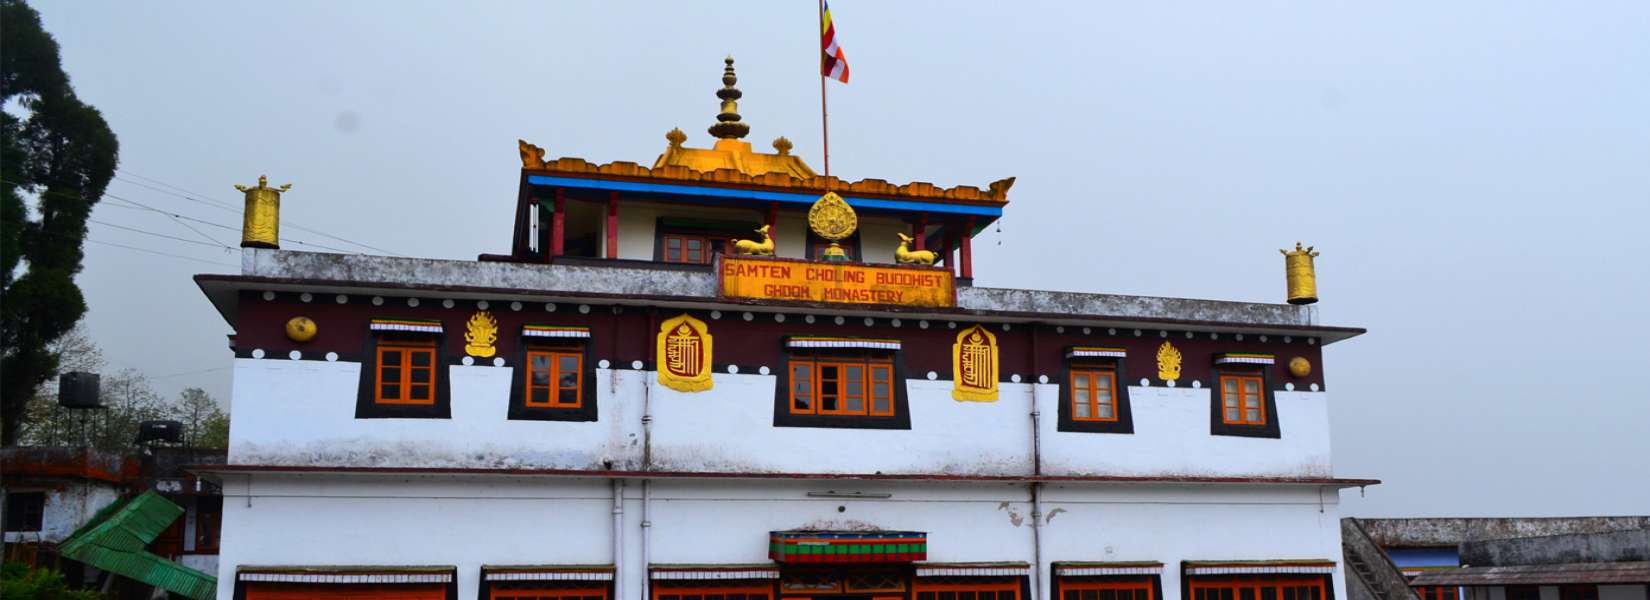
(1313,387)
(1111,331)
(341,299)
(269,295)
(1214,336)
(1188,335)
(1311,341)
(603,364)
(1239,337)
(515,306)
(1087,331)
(412,302)
(950,324)
(894,322)
(1060,329)
(258,353)
(715,314)
(295,355)
(733,369)
(448,303)
(1171,382)
(923,324)
(498,361)
(932,375)
(1137,333)
(1289,387)
(1196,384)
(549,307)
(1007,327)
(749,317)
(778,318)
(306,297)
(467,361)
(1145,382)
(1263,338)
(870,321)
(1288,339)
(840,320)
(763,370)
(1014,378)
(332,357)
(636,364)
(617,309)
(482,304)
(809,319)
(584,309)
(1162,334)
(1042,379)
(377,300)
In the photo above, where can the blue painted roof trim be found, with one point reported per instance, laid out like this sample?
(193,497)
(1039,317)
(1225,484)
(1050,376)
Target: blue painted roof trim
(714,192)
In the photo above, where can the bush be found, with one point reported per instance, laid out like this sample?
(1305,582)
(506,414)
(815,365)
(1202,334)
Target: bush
(20,582)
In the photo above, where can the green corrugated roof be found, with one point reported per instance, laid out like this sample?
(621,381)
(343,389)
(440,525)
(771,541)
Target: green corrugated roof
(114,540)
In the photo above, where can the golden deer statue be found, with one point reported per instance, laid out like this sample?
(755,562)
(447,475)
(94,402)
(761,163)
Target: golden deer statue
(906,256)
(755,248)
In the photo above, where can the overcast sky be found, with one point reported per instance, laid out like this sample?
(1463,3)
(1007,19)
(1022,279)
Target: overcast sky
(1476,174)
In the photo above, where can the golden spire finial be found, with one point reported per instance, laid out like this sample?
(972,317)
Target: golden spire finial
(728,126)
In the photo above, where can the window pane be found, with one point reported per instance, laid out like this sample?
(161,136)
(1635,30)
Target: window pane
(389,357)
(540,396)
(569,379)
(539,367)
(420,375)
(1247,593)
(1103,410)
(568,363)
(1080,407)
(1253,415)
(418,392)
(880,404)
(389,375)
(1251,387)
(1108,594)
(1232,414)
(1091,595)
(421,358)
(673,243)
(389,392)
(880,374)
(1268,593)
(569,398)
(694,244)
(1229,386)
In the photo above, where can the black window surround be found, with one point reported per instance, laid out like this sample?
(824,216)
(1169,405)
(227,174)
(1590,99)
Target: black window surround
(1066,421)
(1217,421)
(366,405)
(783,417)
(586,411)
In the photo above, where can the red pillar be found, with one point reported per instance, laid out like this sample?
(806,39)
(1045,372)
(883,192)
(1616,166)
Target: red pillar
(968,251)
(613,224)
(946,253)
(920,232)
(557,219)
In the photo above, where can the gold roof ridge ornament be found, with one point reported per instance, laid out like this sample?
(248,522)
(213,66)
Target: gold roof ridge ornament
(833,220)
(1301,274)
(261,224)
(728,126)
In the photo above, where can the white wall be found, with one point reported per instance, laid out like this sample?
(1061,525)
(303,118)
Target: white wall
(468,521)
(67,507)
(303,413)
(1623,592)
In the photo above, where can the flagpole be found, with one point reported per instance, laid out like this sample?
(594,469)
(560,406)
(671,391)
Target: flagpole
(824,115)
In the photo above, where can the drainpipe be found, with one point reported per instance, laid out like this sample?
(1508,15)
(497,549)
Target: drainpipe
(1037,577)
(618,539)
(647,539)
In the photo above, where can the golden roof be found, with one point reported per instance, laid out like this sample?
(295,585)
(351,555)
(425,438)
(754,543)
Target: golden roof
(729,152)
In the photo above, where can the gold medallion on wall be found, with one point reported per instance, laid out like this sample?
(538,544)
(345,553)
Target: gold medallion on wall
(833,220)
(974,366)
(684,354)
(480,332)
(1168,362)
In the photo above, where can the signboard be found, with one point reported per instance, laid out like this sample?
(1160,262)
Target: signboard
(840,282)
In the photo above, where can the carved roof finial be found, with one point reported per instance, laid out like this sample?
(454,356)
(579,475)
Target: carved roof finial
(728,126)
(675,137)
(783,146)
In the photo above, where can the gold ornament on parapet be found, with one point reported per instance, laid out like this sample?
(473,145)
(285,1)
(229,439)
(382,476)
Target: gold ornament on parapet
(906,256)
(479,334)
(1301,275)
(1300,367)
(1168,362)
(301,329)
(833,220)
(755,248)
(261,226)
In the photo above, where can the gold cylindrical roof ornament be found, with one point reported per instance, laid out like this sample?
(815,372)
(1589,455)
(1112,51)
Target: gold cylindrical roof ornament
(261,227)
(1303,279)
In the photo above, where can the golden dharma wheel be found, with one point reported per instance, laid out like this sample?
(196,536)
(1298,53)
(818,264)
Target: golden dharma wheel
(301,329)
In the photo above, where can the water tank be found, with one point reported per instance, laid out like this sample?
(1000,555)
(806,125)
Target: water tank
(78,389)
(160,431)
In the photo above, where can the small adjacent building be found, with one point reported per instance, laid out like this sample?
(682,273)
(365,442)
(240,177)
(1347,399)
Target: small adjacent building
(726,377)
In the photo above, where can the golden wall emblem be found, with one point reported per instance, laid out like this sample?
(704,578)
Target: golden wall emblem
(1168,362)
(479,334)
(301,329)
(974,366)
(1300,367)
(833,220)
(684,354)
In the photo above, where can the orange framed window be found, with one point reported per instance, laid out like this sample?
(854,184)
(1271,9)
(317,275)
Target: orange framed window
(1087,589)
(1304,587)
(1444,592)
(995,589)
(699,590)
(406,373)
(1093,395)
(323,591)
(1243,399)
(540,591)
(554,378)
(693,249)
(842,386)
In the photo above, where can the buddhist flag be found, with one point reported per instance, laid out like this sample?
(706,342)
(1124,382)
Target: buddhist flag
(833,64)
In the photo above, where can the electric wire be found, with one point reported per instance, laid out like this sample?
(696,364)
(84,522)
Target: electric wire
(162,235)
(157,252)
(198,197)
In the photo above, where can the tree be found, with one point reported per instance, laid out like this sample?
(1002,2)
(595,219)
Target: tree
(19,581)
(202,420)
(47,423)
(63,151)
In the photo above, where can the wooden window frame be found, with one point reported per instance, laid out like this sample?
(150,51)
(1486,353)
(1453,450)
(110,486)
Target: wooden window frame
(1237,583)
(1442,592)
(1267,426)
(208,529)
(868,400)
(1243,401)
(404,383)
(765,588)
(996,587)
(553,388)
(341,591)
(1130,583)
(1094,374)
(706,241)
(1122,420)
(534,590)
(370,403)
